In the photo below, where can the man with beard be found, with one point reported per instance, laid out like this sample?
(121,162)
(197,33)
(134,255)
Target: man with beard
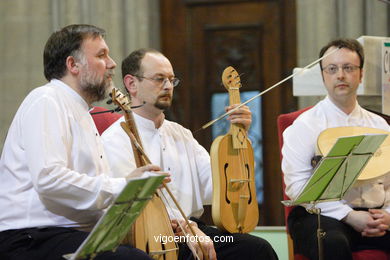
(149,78)
(362,219)
(55,181)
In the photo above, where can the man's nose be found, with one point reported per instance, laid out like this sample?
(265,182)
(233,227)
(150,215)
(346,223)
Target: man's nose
(340,73)
(111,63)
(168,84)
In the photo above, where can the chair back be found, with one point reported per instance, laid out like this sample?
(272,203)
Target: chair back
(284,121)
(103,120)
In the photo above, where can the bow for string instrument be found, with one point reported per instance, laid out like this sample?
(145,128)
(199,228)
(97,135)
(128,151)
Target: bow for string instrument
(268,89)
(234,207)
(153,220)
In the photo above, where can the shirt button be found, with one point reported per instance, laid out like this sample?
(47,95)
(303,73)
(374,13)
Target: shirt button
(101,156)
(96,134)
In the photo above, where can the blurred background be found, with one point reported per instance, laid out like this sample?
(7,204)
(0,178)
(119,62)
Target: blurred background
(263,39)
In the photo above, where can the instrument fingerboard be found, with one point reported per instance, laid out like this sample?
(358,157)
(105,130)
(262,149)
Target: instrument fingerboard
(231,81)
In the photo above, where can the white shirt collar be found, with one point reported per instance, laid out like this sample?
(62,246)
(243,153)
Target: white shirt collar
(356,111)
(71,91)
(146,123)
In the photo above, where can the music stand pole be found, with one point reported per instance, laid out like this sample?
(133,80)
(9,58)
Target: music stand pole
(320,232)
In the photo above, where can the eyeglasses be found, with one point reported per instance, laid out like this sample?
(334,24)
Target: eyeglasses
(347,68)
(161,81)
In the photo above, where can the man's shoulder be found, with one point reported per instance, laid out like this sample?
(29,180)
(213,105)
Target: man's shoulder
(308,123)
(42,91)
(311,115)
(379,120)
(41,95)
(176,128)
(373,114)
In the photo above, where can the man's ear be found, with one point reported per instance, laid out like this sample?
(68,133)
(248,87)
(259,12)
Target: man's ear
(361,75)
(129,82)
(72,65)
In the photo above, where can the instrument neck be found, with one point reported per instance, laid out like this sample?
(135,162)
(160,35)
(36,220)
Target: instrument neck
(237,131)
(130,122)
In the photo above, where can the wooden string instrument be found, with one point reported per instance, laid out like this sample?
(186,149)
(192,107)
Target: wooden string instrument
(154,220)
(376,166)
(234,207)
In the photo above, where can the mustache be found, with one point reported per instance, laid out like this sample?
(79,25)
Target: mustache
(109,73)
(165,95)
(341,83)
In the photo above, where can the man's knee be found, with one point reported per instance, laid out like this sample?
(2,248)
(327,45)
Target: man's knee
(336,241)
(336,246)
(256,246)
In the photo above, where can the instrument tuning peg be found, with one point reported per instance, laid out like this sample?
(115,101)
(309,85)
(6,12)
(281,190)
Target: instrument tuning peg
(109,102)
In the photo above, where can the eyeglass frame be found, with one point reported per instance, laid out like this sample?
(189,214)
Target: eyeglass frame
(344,67)
(174,81)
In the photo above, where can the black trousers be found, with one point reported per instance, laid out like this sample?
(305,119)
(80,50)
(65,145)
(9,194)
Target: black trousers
(242,246)
(340,239)
(52,243)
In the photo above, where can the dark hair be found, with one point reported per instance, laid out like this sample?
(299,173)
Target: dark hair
(64,43)
(350,44)
(132,63)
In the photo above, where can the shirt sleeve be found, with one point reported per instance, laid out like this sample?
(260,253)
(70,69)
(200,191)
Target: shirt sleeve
(48,144)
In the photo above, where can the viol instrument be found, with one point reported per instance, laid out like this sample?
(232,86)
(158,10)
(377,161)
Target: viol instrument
(234,207)
(154,220)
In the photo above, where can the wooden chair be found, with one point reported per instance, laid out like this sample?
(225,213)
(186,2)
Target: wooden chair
(283,121)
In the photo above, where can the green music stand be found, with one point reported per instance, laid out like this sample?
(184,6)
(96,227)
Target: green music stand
(113,226)
(335,174)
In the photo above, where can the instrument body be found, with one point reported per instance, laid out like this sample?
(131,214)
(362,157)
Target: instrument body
(234,207)
(376,166)
(154,220)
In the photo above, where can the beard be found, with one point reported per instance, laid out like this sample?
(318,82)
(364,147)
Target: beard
(163,104)
(95,87)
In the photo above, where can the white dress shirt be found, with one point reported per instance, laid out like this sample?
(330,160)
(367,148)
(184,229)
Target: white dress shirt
(174,149)
(300,140)
(53,170)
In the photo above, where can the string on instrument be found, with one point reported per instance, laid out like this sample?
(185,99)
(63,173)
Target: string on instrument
(176,215)
(234,207)
(117,109)
(143,235)
(161,194)
(243,158)
(143,159)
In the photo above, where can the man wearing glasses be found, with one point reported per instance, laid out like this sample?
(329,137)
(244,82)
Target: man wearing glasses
(361,220)
(149,78)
